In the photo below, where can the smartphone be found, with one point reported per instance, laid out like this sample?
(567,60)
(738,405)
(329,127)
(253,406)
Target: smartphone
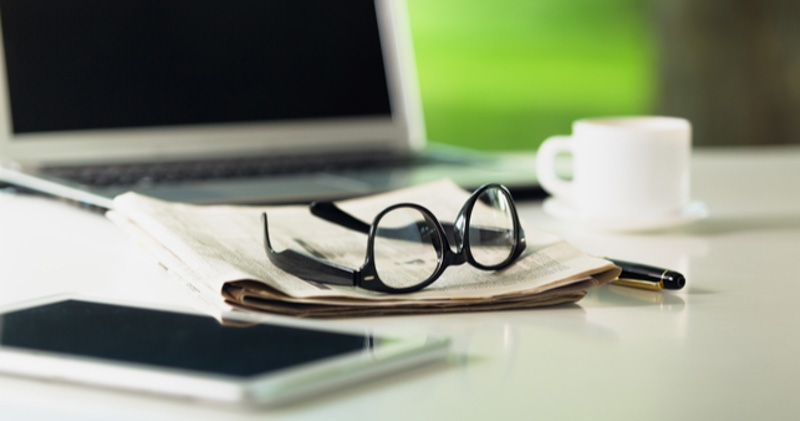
(245,359)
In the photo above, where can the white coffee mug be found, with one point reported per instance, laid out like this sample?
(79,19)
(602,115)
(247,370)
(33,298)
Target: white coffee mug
(622,167)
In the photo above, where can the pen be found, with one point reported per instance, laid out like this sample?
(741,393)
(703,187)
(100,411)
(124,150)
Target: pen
(637,275)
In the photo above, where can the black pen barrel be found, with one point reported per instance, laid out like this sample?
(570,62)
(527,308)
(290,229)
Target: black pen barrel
(668,278)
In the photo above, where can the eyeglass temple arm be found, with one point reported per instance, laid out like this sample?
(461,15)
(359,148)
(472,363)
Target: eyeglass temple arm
(307,267)
(330,212)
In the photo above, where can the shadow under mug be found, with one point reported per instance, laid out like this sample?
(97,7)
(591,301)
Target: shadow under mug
(621,166)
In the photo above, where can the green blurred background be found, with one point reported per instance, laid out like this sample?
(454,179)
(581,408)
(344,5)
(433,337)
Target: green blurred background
(506,74)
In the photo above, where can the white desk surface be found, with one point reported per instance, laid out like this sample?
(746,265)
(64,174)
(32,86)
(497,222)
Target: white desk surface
(725,347)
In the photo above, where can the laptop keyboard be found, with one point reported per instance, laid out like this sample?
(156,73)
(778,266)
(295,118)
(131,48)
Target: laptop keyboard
(185,171)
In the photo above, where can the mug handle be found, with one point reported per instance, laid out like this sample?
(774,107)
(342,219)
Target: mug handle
(546,168)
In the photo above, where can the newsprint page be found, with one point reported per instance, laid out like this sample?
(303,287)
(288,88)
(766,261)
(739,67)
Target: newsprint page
(217,252)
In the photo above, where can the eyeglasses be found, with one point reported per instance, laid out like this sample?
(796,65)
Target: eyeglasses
(408,248)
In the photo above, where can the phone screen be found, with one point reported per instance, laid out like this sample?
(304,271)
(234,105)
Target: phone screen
(167,339)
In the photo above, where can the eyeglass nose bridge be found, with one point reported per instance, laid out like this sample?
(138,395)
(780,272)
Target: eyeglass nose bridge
(454,258)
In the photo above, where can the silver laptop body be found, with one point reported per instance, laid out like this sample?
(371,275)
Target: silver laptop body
(211,101)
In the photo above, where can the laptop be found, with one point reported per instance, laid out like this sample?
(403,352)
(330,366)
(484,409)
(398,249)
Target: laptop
(218,101)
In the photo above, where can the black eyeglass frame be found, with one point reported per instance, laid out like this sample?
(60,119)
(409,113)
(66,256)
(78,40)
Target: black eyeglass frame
(314,269)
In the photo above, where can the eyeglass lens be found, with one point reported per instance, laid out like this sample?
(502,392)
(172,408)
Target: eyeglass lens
(491,228)
(406,248)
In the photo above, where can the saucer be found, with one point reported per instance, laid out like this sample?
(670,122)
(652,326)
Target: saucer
(563,210)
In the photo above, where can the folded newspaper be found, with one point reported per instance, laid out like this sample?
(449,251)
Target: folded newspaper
(218,253)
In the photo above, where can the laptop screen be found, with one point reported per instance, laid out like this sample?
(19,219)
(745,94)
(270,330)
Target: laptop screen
(99,64)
